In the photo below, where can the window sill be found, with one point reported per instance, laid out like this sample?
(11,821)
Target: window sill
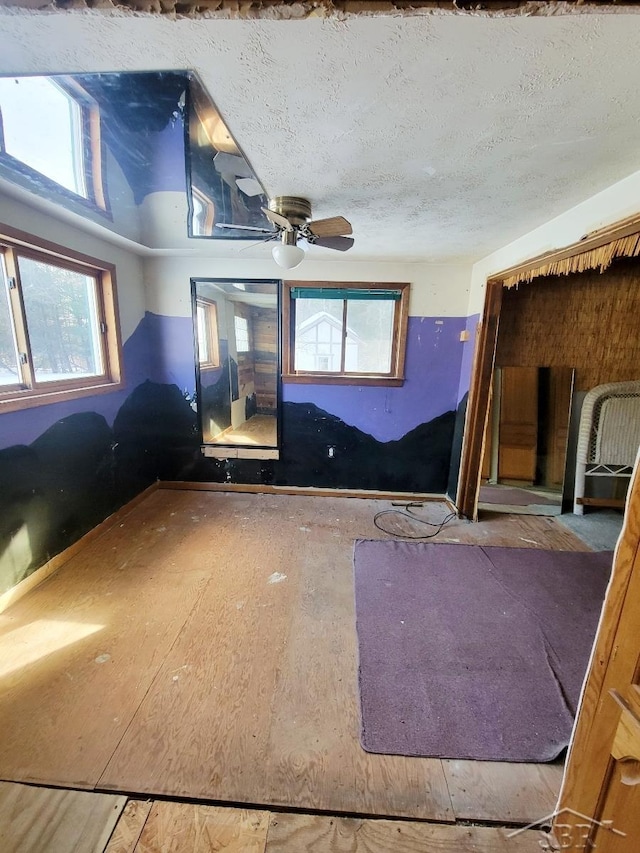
(31,399)
(327,379)
(228,452)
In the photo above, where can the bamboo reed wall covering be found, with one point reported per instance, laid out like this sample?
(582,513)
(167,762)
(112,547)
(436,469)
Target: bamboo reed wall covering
(599,258)
(588,320)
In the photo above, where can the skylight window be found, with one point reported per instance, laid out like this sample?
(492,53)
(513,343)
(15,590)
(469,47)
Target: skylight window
(43,127)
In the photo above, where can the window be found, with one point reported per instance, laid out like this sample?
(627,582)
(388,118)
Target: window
(345,333)
(51,127)
(207,322)
(242,333)
(203,213)
(58,324)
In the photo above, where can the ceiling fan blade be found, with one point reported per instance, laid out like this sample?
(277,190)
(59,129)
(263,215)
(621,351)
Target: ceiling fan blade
(335,226)
(232,164)
(342,244)
(249,186)
(261,241)
(277,219)
(243,227)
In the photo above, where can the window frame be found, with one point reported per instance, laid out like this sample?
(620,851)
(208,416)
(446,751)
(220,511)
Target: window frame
(92,152)
(29,393)
(395,377)
(242,317)
(202,228)
(212,333)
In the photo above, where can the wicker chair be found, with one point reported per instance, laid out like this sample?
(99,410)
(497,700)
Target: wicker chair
(609,436)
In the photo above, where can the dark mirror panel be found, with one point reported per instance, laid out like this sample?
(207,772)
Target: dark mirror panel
(97,144)
(223,188)
(236,329)
(122,148)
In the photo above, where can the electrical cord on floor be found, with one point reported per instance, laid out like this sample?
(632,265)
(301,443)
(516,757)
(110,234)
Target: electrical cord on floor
(406,513)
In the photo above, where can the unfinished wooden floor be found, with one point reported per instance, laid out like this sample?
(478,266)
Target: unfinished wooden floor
(257,431)
(205,647)
(43,820)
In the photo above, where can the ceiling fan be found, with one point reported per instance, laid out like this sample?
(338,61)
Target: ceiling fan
(292,219)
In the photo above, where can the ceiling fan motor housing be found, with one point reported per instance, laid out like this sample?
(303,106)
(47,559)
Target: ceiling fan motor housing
(296,210)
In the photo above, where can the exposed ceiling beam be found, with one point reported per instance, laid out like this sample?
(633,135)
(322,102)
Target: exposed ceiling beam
(298,9)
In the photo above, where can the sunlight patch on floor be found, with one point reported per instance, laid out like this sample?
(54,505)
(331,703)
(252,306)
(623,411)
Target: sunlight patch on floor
(29,643)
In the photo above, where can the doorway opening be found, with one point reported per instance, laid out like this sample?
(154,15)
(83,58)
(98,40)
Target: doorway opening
(525,449)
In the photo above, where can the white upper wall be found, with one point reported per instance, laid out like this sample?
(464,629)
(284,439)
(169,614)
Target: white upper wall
(437,291)
(129,273)
(611,205)
(440,290)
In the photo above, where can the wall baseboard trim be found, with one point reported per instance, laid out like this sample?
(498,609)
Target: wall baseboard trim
(51,566)
(308,491)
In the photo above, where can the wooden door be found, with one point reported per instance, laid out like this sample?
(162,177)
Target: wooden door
(487,453)
(560,391)
(600,796)
(518,443)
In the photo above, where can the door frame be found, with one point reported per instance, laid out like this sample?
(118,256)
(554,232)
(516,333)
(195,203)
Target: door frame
(614,660)
(596,250)
(478,402)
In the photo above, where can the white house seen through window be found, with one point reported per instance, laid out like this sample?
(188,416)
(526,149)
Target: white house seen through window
(345,332)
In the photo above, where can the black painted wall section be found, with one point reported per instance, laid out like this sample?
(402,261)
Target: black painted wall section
(456,448)
(418,462)
(81,470)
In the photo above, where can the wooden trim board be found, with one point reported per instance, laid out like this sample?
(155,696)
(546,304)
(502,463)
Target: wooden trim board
(594,240)
(613,664)
(309,491)
(616,503)
(478,404)
(40,575)
(226,451)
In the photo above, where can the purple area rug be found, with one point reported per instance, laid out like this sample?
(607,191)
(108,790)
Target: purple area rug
(471,652)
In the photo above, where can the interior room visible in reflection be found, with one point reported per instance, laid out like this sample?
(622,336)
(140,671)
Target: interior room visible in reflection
(236,328)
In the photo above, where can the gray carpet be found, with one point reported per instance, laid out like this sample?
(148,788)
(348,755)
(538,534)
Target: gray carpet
(599,530)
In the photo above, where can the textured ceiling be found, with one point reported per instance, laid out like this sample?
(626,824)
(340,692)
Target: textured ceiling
(441,138)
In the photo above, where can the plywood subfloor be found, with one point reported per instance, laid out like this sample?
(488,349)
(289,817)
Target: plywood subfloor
(47,820)
(206,648)
(44,820)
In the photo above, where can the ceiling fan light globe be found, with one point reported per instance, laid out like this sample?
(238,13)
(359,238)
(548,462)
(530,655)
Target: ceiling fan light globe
(287,257)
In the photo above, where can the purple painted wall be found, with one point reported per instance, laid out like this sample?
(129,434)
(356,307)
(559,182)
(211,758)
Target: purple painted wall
(152,161)
(160,349)
(168,173)
(468,350)
(432,378)
(170,354)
